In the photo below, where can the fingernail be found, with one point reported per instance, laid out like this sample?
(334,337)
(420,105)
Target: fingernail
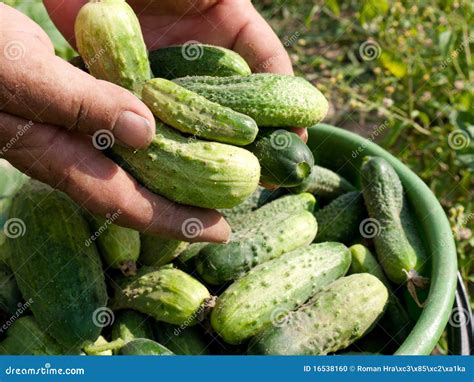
(133,130)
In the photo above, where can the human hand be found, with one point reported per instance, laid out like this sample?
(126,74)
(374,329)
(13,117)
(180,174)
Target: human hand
(233,24)
(48,112)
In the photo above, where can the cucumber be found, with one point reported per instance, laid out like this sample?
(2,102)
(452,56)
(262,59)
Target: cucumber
(193,172)
(110,41)
(284,158)
(218,263)
(144,346)
(275,288)
(182,340)
(270,99)
(338,315)
(25,337)
(157,251)
(395,321)
(325,183)
(221,175)
(53,266)
(11,181)
(129,325)
(193,114)
(166,294)
(119,246)
(340,219)
(398,245)
(10,295)
(185,260)
(99,348)
(196,60)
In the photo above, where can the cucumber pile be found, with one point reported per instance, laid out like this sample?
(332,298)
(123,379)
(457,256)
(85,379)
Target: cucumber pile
(316,267)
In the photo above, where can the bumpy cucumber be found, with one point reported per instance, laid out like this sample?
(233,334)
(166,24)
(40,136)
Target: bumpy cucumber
(337,316)
(182,340)
(193,114)
(144,346)
(166,294)
(218,263)
(340,219)
(10,295)
(325,183)
(185,260)
(25,337)
(196,60)
(119,246)
(110,41)
(222,175)
(398,245)
(276,287)
(395,320)
(54,267)
(270,99)
(11,181)
(129,325)
(284,158)
(157,251)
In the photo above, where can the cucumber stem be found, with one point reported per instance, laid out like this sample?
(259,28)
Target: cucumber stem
(91,349)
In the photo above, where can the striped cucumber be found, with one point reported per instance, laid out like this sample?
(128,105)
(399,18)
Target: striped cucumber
(398,245)
(337,316)
(325,183)
(340,219)
(196,60)
(276,287)
(218,263)
(193,114)
(395,321)
(270,99)
(166,294)
(157,251)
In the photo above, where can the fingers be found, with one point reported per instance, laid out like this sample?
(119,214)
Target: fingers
(68,161)
(260,46)
(44,88)
(301,132)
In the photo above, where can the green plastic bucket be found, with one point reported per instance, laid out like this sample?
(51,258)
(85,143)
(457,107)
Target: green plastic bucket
(342,152)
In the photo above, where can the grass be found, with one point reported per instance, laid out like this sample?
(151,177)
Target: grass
(399,73)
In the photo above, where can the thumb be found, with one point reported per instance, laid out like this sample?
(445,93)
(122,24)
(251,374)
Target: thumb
(44,88)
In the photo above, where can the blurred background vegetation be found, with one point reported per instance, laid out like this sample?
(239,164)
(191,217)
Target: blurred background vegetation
(399,73)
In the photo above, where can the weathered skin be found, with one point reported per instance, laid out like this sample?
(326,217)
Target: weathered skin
(338,315)
(270,99)
(276,287)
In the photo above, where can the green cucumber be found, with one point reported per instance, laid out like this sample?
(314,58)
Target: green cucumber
(397,242)
(166,294)
(129,325)
(337,316)
(193,172)
(284,158)
(110,41)
(196,60)
(144,346)
(25,337)
(187,340)
(157,251)
(10,295)
(340,219)
(54,267)
(218,263)
(276,287)
(270,99)
(119,246)
(395,321)
(325,183)
(193,114)
(185,260)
